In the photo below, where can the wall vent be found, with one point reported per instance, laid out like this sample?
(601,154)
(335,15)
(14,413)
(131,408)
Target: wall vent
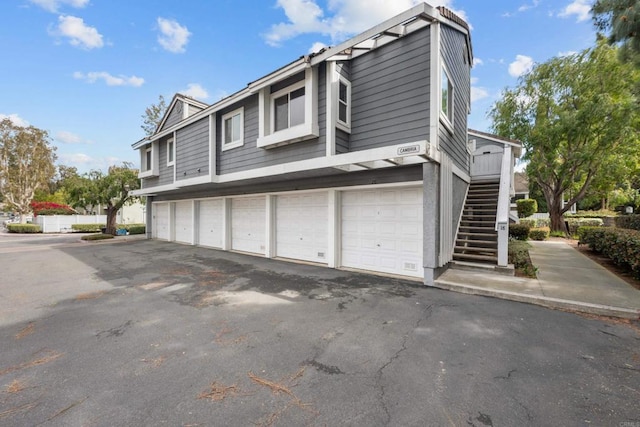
(320,254)
(410,266)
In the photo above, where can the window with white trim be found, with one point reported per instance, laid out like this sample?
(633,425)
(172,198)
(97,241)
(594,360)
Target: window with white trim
(233,129)
(344,104)
(148,159)
(170,152)
(288,113)
(288,107)
(447,99)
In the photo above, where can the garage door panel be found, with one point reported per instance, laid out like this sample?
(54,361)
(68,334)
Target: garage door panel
(302,226)
(183,222)
(386,233)
(210,223)
(161,221)
(248,224)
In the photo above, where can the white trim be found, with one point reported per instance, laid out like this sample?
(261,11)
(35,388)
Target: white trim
(267,137)
(460,173)
(279,75)
(401,154)
(434,121)
(270,229)
(447,121)
(333,227)
(330,131)
(173,152)
(226,223)
(237,142)
(345,126)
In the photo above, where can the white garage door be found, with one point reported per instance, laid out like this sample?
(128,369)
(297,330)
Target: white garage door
(184,222)
(160,221)
(382,230)
(210,223)
(248,224)
(301,226)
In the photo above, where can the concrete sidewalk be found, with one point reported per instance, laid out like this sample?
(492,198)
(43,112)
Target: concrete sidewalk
(566,280)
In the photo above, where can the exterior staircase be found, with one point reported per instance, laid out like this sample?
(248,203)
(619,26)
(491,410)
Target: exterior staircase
(477,240)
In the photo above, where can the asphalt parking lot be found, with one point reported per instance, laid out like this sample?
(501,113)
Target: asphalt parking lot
(151,333)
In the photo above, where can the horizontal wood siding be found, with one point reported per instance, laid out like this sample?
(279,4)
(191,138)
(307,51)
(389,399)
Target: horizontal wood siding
(166,172)
(174,116)
(249,156)
(149,182)
(192,150)
(390,93)
(193,109)
(453,48)
(342,141)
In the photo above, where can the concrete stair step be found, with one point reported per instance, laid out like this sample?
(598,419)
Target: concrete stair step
(492,259)
(462,242)
(483,250)
(494,234)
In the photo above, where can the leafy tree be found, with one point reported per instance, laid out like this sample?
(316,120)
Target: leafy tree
(110,190)
(621,19)
(26,164)
(572,114)
(152,116)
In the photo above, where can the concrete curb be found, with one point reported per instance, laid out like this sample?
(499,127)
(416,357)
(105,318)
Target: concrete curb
(555,303)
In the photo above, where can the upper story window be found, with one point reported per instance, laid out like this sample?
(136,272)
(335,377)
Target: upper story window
(233,129)
(148,159)
(344,104)
(288,110)
(170,152)
(447,99)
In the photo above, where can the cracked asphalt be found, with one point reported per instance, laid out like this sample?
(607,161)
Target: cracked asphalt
(153,333)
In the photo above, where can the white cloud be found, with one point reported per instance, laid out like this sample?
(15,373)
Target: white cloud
(76,159)
(15,119)
(567,53)
(317,47)
(477,92)
(79,34)
(67,137)
(522,65)
(194,90)
(477,61)
(345,17)
(579,8)
(173,36)
(528,6)
(54,5)
(110,80)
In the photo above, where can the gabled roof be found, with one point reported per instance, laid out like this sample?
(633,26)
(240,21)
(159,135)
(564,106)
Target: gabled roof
(517,145)
(418,17)
(179,97)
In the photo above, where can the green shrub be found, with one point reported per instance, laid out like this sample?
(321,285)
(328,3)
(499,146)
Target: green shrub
(526,207)
(631,222)
(575,223)
(91,237)
(136,229)
(519,231)
(519,256)
(532,222)
(24,228)
(557,234)
(543,222)
(592,214)
(622,246)
(87,228)
(541,233)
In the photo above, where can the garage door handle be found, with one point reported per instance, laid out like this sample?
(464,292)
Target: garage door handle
(378,245)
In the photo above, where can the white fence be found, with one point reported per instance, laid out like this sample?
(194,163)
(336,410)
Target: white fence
(63,223)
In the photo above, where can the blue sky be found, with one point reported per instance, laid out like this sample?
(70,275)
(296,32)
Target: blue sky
(85,70)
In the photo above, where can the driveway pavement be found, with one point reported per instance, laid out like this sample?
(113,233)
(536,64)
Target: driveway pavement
(149,333)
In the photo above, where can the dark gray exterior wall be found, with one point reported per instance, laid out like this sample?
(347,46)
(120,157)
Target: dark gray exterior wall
(390,89)
(192,150)
(454,54)
(174,116)
(166,172)
(249,156)
(286,183)
(193,109)
(482,142)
